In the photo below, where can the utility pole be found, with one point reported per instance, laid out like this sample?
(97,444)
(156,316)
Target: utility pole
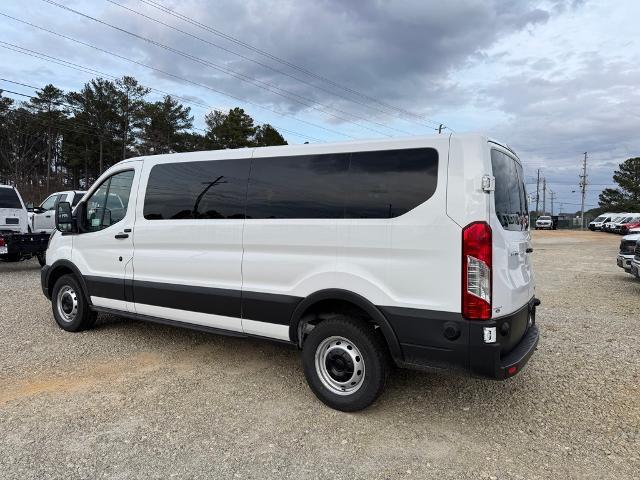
(583,186)
(544,196)
(552,195)
(538,193)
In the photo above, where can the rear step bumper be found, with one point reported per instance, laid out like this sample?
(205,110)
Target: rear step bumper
(491,360)
(519,356)
(441,341)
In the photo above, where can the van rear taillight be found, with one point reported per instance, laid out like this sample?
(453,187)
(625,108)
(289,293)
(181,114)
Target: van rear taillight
(2,242)
(476,271)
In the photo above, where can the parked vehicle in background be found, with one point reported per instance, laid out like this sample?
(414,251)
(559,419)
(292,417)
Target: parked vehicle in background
(629,222)
(616,226)
(608,226)
(353,252)
(13,213)
(544,222)
(42,217)
(598,222)
(627,251)
(16,240)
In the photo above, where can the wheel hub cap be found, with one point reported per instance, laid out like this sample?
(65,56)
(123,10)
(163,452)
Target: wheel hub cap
(339,365)
(67,303)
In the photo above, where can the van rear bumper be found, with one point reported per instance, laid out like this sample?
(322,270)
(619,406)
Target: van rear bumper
(448,342)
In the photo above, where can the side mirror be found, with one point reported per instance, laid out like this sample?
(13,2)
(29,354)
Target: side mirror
(64,217)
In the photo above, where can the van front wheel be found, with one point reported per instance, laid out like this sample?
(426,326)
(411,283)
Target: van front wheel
(345,363)
(70,307)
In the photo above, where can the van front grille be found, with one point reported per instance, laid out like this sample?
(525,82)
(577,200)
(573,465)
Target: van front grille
(637,252)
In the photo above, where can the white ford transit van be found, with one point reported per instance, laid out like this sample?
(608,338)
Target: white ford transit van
(412,251)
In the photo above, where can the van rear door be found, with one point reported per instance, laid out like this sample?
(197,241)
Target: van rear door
(513,282)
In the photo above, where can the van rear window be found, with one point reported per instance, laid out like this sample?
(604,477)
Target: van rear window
(9,198)
(510,195)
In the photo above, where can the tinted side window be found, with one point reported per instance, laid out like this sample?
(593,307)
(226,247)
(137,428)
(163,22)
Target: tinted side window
(50,203)
(510,196)
(210,189)
(307,186)
(108,204)
(379,184)
(387,184)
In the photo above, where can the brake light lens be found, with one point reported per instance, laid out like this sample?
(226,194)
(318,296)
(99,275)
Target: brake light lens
(2,243)
(476,271)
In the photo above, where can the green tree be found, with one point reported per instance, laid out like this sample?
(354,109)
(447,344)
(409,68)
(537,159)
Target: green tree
(165,123)
(50,111)
(131,110)
(236,129)
(96,107)
(627,196)
(230,130)
(267,136)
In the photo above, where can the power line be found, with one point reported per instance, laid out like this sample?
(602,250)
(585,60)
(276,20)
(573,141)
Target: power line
(282,61)
(240,76)
(162,92)
(75,66)
(269,67)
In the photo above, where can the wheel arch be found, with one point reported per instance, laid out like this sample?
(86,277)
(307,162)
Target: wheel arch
(64,267)
(345,297)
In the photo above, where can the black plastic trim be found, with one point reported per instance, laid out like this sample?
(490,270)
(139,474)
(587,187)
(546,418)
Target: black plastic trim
(215,301)
(70,266)
(369,308)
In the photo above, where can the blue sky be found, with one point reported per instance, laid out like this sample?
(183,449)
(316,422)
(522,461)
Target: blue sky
(552,78)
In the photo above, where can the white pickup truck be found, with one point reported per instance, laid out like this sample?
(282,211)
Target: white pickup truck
(17,241)
(42,217)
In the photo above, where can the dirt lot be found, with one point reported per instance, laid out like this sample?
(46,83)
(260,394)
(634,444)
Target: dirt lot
(134,400)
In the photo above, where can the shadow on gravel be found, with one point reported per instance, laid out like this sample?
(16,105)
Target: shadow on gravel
(21,266)
(406,390)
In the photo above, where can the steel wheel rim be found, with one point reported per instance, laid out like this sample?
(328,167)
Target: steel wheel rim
(67,304)
(340,365)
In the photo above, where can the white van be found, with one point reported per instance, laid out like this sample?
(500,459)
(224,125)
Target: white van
(412,251)
(13,213)
(598,222)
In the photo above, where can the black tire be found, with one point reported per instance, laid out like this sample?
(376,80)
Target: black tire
(72,312)
(42,258)
(358,337)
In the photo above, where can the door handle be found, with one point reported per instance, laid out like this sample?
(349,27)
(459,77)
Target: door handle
(529,250)
(121,235)
(47,216)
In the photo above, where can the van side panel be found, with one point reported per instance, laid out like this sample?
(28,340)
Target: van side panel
(468,161)
(189,269)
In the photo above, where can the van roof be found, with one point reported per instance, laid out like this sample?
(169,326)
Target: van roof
(352,145)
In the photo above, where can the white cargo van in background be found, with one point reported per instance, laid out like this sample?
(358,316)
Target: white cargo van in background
(412,251)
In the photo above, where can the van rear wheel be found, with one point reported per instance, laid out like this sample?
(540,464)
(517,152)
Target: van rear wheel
(70,307)
(346,363)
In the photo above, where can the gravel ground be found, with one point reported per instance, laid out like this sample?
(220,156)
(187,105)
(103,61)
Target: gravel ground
(134,400)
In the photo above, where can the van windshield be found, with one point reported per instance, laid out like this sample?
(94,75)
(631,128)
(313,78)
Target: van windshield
(510,195)
(544,218)
(601,218)
(9,198)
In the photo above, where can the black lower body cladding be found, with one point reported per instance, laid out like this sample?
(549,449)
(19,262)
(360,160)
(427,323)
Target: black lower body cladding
(427,339)
(443,341)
